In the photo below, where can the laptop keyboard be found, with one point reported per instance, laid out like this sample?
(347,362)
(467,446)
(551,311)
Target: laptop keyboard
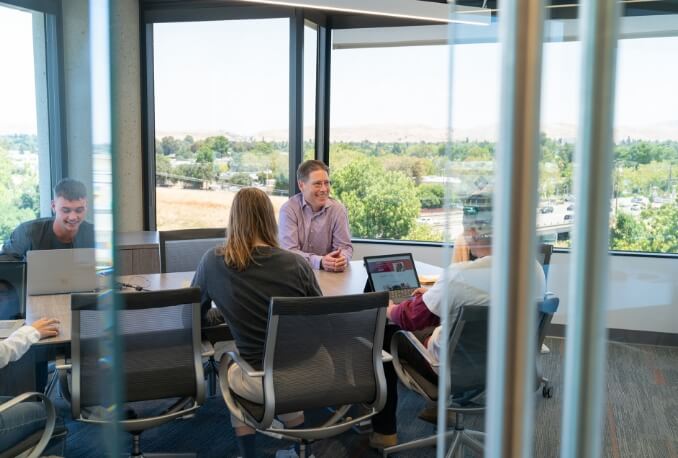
(399,295)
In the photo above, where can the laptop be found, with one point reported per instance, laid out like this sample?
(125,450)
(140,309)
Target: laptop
(61,271)
(395,273)
(12,296)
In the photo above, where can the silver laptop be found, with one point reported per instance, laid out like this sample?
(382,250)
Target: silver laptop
(12,296)
(61,271)
(395,273)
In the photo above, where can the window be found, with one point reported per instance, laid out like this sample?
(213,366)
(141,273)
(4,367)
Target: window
(24,133)
(221,117)
(389,115)
(388,134)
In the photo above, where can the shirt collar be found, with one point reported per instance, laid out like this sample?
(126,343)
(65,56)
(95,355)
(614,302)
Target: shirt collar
(305,204)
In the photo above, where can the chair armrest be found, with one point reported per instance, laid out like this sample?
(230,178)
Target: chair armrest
(244,365)
(207,349)
(49,422)
(421,349)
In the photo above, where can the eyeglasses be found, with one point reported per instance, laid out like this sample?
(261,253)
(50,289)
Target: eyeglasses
(320,184)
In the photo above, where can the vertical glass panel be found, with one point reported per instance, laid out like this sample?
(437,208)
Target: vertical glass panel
(310,71)
(223,123)
(24,176)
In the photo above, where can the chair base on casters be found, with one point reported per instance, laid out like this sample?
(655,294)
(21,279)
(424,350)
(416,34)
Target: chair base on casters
(458,439)
(136,451)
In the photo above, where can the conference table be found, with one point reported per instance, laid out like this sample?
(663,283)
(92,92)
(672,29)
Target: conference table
(351,281)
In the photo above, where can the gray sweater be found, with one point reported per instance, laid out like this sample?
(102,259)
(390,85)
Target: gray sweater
(243,297)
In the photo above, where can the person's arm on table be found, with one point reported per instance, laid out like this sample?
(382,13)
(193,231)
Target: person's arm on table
(15,248)
(18,343)
(412,314)
(341,240)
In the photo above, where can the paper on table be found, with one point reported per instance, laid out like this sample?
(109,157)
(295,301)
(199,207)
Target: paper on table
(428,279)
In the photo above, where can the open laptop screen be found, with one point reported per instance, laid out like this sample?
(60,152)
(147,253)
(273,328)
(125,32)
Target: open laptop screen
(391,272)
(12,290)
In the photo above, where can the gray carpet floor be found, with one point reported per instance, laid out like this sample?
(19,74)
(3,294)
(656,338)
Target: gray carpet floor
(641,416)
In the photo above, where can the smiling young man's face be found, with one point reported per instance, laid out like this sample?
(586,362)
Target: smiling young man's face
(68,215)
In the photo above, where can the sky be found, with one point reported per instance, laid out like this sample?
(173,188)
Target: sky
(232,76)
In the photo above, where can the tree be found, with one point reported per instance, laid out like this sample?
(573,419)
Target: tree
(380,204)
(204,155)
(241,179)
(18,197)
(661,229)
(424,232)
(431,195)
(627,233)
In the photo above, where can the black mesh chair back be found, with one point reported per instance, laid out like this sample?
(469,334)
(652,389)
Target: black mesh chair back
(159,332)
(324,351)
(182,250)
(468,351)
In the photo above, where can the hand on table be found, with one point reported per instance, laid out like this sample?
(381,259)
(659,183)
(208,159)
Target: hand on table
(334,261)
(389,309)
(420,290)
(47,327)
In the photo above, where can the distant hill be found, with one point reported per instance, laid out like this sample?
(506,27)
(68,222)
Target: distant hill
(403,133)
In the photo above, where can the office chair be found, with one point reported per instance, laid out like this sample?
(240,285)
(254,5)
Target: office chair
(319,352)
(545,310)
(35,443)
(159,334)
(416,369)
(182,250)
(544,257)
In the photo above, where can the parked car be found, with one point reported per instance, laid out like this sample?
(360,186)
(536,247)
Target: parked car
(570,207)
(568,217)
(637,200)
(547,209)
(635,208)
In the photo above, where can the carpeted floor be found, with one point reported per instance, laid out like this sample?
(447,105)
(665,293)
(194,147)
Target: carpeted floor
(641,418)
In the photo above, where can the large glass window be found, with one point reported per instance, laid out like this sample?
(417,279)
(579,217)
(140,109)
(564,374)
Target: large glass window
(24,148)
(389,131)
(388,114)
(221,117)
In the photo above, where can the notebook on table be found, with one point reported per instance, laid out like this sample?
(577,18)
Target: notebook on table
(395,273)
(12,296)
(61,271)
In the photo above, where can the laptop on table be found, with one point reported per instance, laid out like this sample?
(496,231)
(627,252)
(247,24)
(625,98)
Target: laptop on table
(61,271)
(12,296)
(395,273)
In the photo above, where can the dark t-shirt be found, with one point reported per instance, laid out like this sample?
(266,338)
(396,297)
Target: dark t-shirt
(243,297)
(38,234)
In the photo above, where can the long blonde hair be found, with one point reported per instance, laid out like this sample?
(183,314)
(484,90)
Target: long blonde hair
(251,221)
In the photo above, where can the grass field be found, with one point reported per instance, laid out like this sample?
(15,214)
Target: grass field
(190,208)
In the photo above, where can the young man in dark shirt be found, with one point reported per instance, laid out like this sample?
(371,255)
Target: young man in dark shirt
(66,229)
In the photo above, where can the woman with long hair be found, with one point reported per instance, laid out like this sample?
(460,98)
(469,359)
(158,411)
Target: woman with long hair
(241,277)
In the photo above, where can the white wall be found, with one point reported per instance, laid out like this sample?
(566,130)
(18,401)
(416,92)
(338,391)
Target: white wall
(643,291)
(126,103)
(77,90)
